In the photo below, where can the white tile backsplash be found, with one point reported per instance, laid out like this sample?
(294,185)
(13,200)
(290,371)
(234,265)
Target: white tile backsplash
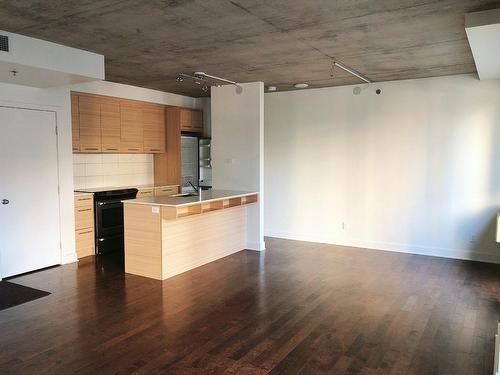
(103,170)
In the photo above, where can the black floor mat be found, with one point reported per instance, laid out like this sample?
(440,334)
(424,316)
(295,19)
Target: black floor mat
(14,294)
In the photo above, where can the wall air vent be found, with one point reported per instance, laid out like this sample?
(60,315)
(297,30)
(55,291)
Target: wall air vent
(4,43)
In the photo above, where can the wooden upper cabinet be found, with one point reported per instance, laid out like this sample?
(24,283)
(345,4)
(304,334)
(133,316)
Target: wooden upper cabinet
(197,121)
(89,110)
(75,122)
(110,125)
(114,125)
(191,120)
(132,129)
(153,119)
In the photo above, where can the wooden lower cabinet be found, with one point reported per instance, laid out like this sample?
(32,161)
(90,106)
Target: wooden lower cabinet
(145,192)
(85,242)
(165,190)
(84,225)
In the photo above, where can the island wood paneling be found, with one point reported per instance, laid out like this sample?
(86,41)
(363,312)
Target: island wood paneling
(143,254)
(193,241)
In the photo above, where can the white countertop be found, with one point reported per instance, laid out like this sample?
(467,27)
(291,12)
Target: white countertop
(206,196)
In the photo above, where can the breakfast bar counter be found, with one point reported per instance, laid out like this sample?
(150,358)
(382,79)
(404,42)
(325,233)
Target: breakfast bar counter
(165,236)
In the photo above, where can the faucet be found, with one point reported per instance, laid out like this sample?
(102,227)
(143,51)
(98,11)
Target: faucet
(196,189)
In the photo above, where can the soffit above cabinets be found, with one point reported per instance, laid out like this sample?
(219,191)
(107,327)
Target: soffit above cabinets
(38,63)
(483,32)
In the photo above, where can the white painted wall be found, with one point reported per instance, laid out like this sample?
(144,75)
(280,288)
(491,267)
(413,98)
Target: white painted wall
(44,64)
(415,169)
(238,148)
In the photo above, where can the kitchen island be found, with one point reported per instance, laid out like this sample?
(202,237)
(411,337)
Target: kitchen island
(169,235)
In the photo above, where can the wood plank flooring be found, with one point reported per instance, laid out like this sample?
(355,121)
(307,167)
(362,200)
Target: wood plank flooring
(298,308)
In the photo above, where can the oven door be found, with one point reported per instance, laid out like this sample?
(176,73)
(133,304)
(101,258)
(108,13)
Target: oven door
(109,226)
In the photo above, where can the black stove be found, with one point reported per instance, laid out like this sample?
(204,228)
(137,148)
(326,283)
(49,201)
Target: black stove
(109,232)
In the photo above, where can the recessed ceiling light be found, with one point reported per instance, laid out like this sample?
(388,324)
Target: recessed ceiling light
(301,85)
(272,88)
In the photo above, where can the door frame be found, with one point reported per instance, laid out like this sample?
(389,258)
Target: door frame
(42,109)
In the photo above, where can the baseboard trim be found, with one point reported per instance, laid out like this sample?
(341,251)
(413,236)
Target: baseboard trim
(69,258)
(256,246)
(476,256)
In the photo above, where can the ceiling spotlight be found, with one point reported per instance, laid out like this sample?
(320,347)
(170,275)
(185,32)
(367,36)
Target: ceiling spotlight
(272,88)
(14,73)
(197,82)
(301,85)
(205,88)
(179,79)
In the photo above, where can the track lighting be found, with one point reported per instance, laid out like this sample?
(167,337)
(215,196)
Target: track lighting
(204,79)
(350,71)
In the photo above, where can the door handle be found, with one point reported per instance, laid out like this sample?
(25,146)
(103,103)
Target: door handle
(5,201)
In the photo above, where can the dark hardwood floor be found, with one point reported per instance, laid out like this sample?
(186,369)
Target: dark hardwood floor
(298,308)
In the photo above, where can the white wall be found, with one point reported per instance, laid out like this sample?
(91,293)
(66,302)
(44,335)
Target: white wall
(105,170)
(415,169)
(44,64)
(238,148)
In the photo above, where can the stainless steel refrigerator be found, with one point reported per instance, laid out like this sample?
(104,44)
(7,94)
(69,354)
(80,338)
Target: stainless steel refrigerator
(190,171)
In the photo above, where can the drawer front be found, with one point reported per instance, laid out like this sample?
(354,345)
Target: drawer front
(165,190)
(85,245)
(145,193)
(84,200)
(84,217)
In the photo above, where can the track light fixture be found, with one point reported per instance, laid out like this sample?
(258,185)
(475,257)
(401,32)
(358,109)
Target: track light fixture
(350,71)
(204,79)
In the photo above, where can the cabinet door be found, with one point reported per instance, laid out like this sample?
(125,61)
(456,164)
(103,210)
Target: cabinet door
(165,190)
(89,110)
(110,125)
(132,137)
(75,123)
(186,119)
(197,121)
(154,128)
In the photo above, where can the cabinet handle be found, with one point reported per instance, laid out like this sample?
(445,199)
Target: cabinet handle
(84,199)
(91,148)
(154,149)
(87,232)
(86,209)
(111,149)
(132,149)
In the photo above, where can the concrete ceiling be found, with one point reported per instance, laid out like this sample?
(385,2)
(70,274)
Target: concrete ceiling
(279,42)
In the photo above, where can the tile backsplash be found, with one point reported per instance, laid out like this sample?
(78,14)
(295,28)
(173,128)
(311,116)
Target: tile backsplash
(102,170)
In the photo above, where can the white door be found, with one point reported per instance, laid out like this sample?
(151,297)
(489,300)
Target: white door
(29,196)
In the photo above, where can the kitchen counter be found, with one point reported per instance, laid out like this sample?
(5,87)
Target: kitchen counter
(166,236)
(82,193)
(109,188)
(205,197)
